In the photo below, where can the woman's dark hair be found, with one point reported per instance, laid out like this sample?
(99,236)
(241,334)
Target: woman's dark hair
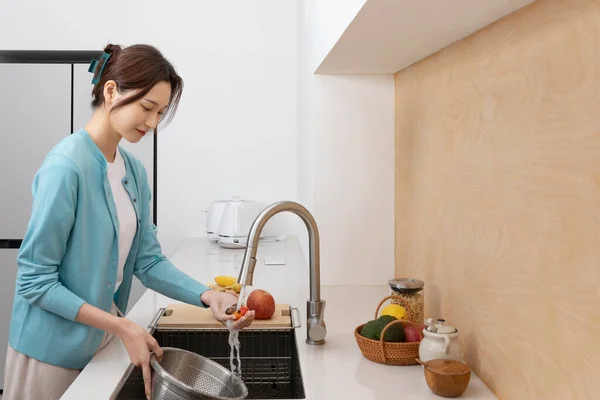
(137,67)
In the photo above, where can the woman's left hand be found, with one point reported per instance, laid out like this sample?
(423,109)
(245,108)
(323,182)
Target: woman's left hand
(219,302)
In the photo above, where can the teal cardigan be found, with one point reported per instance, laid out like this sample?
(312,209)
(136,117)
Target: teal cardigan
(69,254)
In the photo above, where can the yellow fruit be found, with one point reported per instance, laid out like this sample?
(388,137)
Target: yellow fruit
(395,311)
(236,287)
(225,281)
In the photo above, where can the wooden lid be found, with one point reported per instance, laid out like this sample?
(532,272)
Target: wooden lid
(447,367)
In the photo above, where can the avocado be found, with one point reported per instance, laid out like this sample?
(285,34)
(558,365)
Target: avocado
(369,330)
(394,333)
(373,329)
(384,320)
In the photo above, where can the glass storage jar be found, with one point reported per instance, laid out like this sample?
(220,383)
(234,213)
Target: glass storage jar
(409,289)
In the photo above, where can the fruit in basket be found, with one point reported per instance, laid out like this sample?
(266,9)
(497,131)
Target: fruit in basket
(262,302)
(369,330)
(394,333)
(411,332)
(383,320)
(394,310)
(374,328)
(225,281)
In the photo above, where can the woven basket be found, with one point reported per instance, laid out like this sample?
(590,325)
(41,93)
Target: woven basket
(390,353)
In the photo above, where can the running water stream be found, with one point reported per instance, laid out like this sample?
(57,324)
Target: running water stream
(234,341)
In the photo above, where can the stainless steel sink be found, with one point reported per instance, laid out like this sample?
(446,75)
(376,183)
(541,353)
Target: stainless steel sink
(270,366)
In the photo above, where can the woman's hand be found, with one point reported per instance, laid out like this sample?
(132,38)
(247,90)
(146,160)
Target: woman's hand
(219,302)
(139,343)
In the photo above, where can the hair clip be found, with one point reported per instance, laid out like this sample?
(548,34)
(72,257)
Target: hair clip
(94,64)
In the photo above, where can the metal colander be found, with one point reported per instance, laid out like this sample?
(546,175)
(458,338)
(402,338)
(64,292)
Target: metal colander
(183,375)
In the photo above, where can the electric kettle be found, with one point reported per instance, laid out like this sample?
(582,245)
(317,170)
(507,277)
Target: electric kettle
(213,219)
(238,217)
(229,221)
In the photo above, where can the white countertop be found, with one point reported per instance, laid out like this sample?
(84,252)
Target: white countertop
(334,370)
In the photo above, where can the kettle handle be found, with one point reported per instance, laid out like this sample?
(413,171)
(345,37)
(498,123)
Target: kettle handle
(446,344)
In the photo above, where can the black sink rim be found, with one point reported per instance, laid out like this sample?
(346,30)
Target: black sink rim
(293,385)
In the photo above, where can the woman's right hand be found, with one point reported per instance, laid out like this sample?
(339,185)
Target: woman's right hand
(139,343)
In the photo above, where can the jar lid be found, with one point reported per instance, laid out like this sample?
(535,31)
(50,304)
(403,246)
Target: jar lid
(406,284)
(447,367)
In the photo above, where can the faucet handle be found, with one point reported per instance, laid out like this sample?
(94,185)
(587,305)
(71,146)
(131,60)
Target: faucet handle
(315,328)
(316,332)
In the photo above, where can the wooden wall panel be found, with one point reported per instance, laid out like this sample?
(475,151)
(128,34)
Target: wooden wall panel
(498,196)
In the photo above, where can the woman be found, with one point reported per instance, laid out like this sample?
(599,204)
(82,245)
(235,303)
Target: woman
(91,230)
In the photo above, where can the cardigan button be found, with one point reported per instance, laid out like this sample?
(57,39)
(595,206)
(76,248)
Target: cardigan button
(125,181)
(134,200)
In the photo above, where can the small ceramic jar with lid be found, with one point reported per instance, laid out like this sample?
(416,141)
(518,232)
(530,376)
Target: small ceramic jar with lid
(409,289)
(440,342)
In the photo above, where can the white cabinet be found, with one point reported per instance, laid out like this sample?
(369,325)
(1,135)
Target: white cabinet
(386,36)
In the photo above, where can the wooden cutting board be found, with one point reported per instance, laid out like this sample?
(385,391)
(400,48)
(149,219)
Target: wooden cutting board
(190,316)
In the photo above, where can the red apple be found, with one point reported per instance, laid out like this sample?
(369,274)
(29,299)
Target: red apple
(262,303)
(411,332)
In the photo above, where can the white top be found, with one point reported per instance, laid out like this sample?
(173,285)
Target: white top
(125,212)
(338,360)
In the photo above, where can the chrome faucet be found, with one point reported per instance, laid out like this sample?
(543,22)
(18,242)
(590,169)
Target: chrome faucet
(315,307)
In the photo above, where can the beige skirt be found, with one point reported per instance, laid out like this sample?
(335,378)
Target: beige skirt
(26,378)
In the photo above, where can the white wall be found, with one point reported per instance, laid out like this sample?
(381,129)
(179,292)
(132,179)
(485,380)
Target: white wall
(353,127)
(305,143)
(345,154)
(235,132)
(326,141)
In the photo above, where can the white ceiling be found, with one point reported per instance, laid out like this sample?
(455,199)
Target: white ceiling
(386,36)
